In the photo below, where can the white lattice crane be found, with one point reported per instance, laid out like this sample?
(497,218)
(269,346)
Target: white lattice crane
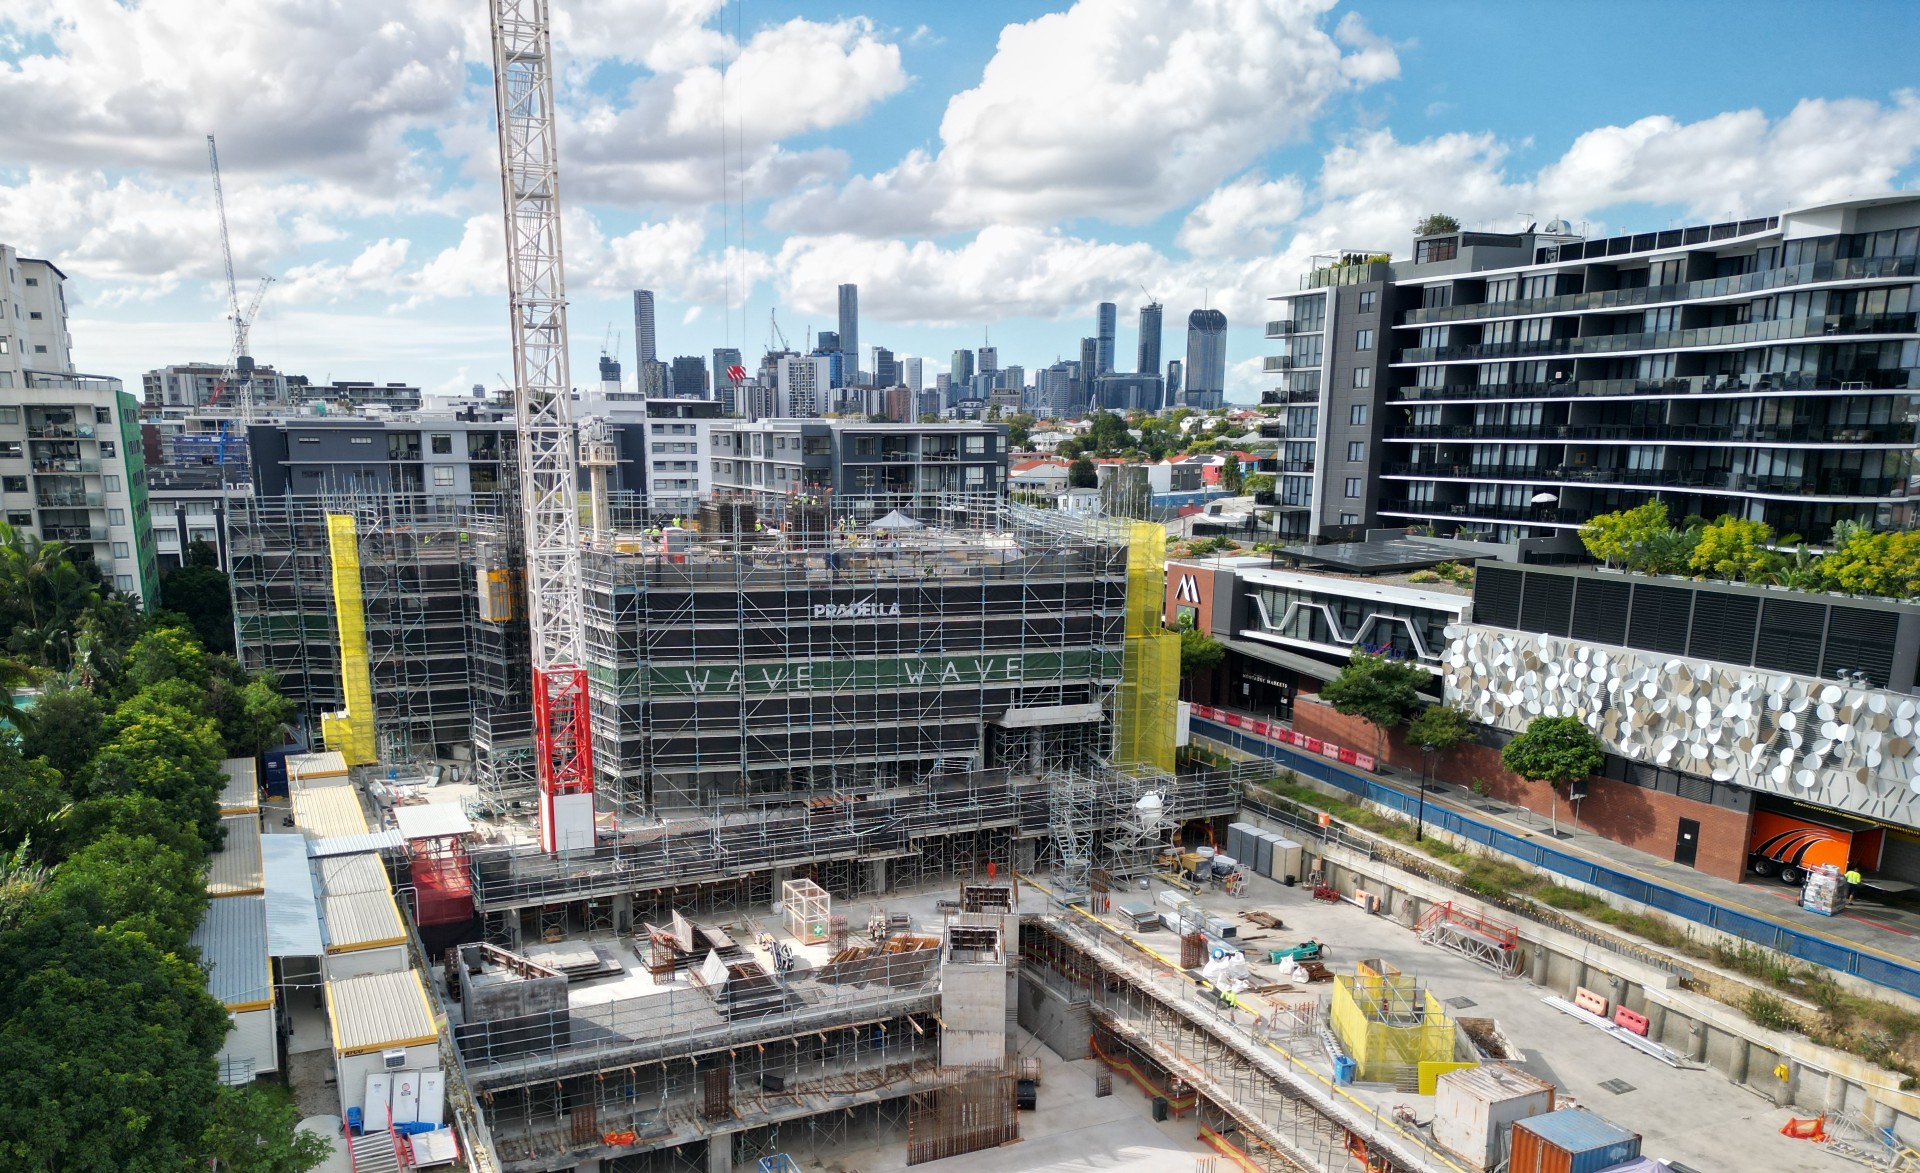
(238,376)
(549,489)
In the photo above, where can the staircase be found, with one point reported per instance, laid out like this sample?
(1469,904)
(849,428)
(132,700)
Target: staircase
(374,1152)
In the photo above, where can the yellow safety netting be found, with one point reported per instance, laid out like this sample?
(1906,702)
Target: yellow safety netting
(351,730)
(1150,671)
(1389,1025)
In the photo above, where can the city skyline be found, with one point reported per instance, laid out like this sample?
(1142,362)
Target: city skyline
(902,165)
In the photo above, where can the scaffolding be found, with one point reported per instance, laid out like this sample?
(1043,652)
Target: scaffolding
(815,652)
(350,731)
(1389,1024)
(1150,685)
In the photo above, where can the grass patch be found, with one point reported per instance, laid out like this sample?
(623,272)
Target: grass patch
(1767,1011)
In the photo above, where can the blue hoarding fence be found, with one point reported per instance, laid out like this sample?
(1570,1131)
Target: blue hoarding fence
(1818,950)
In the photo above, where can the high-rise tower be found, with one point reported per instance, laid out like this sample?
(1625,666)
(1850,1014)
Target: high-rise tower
(1206,369)
(643,339)
(1149,363)
(1109,324)
(850,329)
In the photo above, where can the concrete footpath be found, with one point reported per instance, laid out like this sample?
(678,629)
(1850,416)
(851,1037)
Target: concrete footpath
(1890,930)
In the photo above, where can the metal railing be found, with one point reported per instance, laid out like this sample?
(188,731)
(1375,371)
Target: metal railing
(1788,329)
(1868,966)
(1894,379)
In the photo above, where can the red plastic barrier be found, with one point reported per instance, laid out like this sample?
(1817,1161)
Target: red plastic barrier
(1637,1023)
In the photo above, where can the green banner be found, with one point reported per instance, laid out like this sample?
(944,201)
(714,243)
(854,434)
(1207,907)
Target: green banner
(881,675)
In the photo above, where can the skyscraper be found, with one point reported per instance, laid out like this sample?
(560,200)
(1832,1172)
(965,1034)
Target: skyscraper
(1206,369)
(886,371)
(826,340)
(725,358)
(1174,372)
(962,368)
(989,359)
(1149,363)
(913,372)
(1089,362)
(850,329)
(689,377)
(1109,324)
(643,339)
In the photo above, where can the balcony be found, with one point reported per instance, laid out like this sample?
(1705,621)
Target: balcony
(1790,329)
(1295,465)
(1306,395)
(1857,269)
(1357,272)
(1873,380)
(1900,434)
(59,431)
(69,500)
(74,533)
(1819,483)
(1277,362)
(1280,329)
(65,465)
(1536,514)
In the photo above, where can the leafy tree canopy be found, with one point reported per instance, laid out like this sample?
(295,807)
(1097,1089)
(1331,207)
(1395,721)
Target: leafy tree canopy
(253,1132)
(168,653)
(133,885)
(1199,652)
(1440,728)
(1555,750)
(200,593)
(1869,563)
(1081,474)
(1382,692)
(1734,549)
(1435,223)
(65,730)
(1230,474)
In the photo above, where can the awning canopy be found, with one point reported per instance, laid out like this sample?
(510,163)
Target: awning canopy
(293,910)
(432,820)
(895,520)
(1282,658)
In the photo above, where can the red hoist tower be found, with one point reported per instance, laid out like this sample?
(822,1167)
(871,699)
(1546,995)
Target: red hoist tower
(549,489)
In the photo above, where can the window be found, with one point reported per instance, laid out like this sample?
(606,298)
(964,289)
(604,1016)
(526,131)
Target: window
(659,445)
(443,445)
(108,450)
(111,483)
(5,346)
(1367,301)
(19,518)
(9,415)
(116,517)
(33,315)
(39,350)
(1357,451)
(1363,339)
(123,583)
(659,429)
(120,549)
(13,484)
(32,281)
(976,445)
(10,450)
(1353,487)
(1363,376)
(442,475)
(1357,414)
(1349,519)
(103,415)
(356,440)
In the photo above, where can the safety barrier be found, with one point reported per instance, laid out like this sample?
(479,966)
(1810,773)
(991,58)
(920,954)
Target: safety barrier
(1792,942)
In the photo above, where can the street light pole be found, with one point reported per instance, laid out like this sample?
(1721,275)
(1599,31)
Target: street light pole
(1426,771)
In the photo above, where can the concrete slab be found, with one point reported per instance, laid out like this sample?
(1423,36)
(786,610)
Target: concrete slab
(1696,1117)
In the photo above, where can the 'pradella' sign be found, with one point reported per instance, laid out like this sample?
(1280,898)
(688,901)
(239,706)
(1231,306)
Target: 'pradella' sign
(864,609)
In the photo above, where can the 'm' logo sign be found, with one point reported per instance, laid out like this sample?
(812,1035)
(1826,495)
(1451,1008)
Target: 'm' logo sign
(1187,590)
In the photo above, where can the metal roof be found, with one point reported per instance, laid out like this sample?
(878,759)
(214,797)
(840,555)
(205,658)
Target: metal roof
(232,939)
(379,1010)
(357,909)
(355,844)
(330,764)
(242,791)
(1282,658)
(432,820)
(328,812)
(1494,1083)
(235,869)
(293,910)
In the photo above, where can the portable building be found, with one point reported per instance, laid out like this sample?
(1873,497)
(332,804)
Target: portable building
(1474,1110)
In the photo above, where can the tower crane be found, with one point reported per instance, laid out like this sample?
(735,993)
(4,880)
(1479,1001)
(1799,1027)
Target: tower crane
(773,321)
(549,488)
(239,370)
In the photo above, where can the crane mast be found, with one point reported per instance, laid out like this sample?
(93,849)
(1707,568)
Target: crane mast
(549,488)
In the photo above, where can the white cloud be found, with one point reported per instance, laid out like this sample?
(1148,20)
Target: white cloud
(1111,109)
(1240,218)
(377,270)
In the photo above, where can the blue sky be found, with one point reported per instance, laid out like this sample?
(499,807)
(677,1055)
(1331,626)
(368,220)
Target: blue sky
(974,167)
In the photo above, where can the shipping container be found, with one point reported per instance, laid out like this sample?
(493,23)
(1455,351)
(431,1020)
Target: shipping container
(1474,1110)
(1572,1140)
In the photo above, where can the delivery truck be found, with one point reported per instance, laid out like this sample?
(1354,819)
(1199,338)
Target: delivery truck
(1787,845)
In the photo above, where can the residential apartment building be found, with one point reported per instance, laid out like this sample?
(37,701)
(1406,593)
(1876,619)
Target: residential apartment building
(915,467)
(1515,385)
(71,465)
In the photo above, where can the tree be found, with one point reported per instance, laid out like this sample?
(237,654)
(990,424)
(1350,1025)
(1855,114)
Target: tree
(200,593)
(1259,482)
(1734,548)
(1199,653)
(32,803)
(1554,750)
(1868,563)
(1230,474)
(133,885)
(1107,433)
(264,716)
(253,1132)
(1617,537)
(1380,691)
(1434,223)
(1019,432)
(1439,728)
(168,653)
(66,729)
(1081,474)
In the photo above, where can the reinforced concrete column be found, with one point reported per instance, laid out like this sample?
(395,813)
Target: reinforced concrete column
(877,876)
(1656,1021)
(1836,1092)
(720,1152)
(1742,1055)
(1579,976)
(1788,1087)
(623,912)
(1617,990)
(1697,1041)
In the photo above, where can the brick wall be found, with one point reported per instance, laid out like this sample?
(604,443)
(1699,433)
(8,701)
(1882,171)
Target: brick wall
(1643,819)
